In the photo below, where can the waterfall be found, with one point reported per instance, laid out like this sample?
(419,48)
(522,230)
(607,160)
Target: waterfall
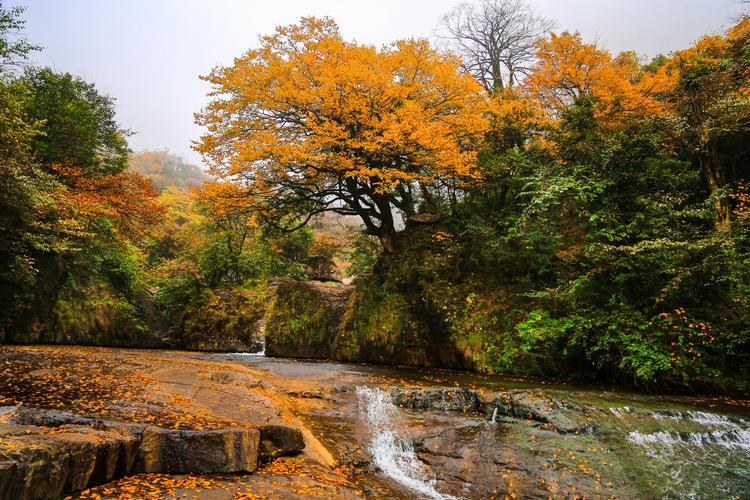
(391,453)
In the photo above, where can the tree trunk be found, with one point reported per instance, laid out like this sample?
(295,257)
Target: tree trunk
(715,179)
(390,242)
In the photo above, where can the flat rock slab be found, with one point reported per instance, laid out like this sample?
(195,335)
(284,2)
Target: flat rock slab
(198,452)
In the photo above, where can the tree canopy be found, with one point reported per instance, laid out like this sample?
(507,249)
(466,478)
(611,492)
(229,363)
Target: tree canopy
(310,123)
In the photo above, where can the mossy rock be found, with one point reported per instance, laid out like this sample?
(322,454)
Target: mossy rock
(98,315)
(377,326)
(303,319)
(226,321)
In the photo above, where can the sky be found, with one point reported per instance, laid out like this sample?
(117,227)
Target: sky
(148,54)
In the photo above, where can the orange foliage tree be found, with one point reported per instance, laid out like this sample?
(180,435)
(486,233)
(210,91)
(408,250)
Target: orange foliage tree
(701,92)
(568,68)
(709,100)
(127,200)
(309,123)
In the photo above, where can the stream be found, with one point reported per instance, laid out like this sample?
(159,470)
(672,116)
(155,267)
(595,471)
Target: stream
(559,441)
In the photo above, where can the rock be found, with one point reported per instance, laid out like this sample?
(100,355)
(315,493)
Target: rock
(44,454)
(277,441)
(537,406)
(225,321)
(442,399)
(37,464)
(198,452)
(235,378)
(303,318)
(305,394)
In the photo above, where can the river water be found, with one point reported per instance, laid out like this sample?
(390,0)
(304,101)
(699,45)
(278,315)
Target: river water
(633,445)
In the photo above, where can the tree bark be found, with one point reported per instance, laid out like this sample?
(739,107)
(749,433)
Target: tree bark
(715,178)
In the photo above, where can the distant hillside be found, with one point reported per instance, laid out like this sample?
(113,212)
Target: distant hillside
(167,169)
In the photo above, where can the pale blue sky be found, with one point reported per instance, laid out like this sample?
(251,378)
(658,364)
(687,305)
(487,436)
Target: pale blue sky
(149,53)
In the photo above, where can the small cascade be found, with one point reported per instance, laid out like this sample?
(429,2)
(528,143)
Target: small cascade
(699,417)
(259,353)
(699,454)
(494,416)
(391,453)
(731,439)
(722,430)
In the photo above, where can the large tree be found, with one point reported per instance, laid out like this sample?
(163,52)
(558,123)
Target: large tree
(497,39)
(309,123)
(710,103)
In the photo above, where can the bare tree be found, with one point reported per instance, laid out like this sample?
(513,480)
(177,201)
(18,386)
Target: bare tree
(497,39)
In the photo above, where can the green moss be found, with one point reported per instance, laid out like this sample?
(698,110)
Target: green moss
(377,326)
(225,320)
(300,322)
(97,315)
(375,319)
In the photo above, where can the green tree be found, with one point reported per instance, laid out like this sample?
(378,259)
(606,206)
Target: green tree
(79,128)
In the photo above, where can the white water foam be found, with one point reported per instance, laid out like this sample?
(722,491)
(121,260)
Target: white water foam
(731,439)
(699,417)
(494,416)
(619,412)
(391,453)
(259,353)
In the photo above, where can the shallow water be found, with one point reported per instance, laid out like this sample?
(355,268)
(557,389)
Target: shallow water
(646,445)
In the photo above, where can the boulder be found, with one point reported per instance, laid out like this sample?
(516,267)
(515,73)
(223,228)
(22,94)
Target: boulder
(539,407)
(198,452)
(442,399)
(277,441)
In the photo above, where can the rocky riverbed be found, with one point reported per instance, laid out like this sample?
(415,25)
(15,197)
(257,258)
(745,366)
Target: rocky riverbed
(113,423)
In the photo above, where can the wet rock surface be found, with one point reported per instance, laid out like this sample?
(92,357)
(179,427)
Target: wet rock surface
(362,439)
(440,399)
(233,378)
(537,406)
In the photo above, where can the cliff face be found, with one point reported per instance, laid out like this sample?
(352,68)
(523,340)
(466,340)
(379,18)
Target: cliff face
(221,320)
(92,315)
(365,322)
(362,323)
(225,320)
(303,319)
